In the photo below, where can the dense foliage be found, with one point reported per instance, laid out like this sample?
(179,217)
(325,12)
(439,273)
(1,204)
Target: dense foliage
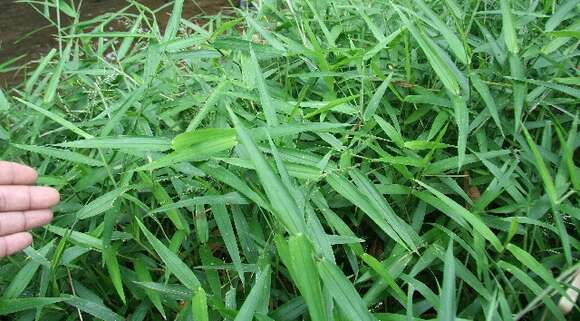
(303,160)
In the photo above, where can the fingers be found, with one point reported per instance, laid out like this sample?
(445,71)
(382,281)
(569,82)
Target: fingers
(24,198)
(13,243)
(14,222)
(16,174)
(25,207)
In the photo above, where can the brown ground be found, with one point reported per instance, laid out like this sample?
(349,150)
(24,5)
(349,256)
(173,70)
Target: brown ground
(17,20)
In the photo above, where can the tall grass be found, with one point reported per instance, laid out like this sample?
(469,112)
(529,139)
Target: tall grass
(306,160)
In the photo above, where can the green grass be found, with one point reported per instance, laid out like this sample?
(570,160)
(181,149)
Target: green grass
(333,160)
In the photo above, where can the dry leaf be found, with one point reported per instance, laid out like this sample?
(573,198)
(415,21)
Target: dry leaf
(565,304)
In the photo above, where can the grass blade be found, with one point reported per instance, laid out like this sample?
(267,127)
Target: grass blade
(199,305)
(265,99)
(509,29)
(283,204)
(530,262)
(376,99)
(11,306)
(4,105)
(306,276)
(462,121)
(110,256)
(38,71)
(372,262)
(61,154)
(23,278)
(343,292)
(391,131)
(222,218)
(356,197)
(433,54)
(144,276)
(172,262)
(94,308)
(542,169)
(478,225)
(561,14)
(209,104)
(248,309)
(534,288)
(150,144)
(101,204)
(173,24)
(454,43)
(519,88)
(485,94)
(63,122)
(447,296)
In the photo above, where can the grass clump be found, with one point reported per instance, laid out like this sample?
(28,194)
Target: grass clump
(306,160)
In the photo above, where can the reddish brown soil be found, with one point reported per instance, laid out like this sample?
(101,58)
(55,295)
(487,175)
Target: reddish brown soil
(18,20)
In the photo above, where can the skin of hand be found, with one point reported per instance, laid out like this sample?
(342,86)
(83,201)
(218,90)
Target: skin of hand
(22,206)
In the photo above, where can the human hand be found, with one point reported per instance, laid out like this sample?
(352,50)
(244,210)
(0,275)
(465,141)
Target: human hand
(22,206)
